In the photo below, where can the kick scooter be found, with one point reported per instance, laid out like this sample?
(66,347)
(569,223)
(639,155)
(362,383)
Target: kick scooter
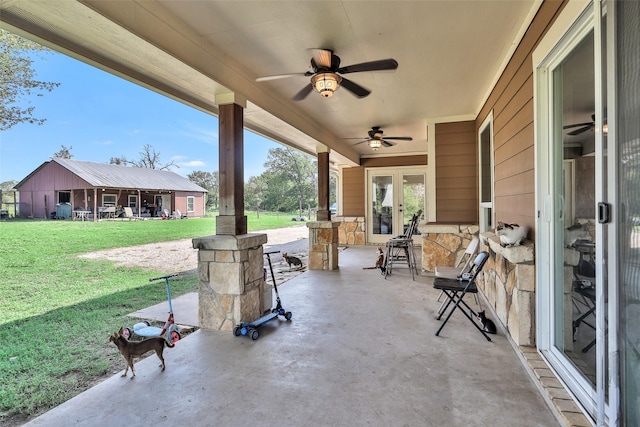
(251,329)
(143,329)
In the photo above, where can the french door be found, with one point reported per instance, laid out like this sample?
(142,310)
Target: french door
(393,197)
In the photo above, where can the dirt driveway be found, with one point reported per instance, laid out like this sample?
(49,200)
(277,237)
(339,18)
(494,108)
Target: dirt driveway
(179,256)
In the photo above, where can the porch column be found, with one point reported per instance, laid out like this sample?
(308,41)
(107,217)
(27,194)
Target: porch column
(231,286)
(231,220)
(323,185)
(323,233)
(95,204)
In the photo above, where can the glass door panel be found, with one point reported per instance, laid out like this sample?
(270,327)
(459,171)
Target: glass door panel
(573,172)
(413,198)
(382,205)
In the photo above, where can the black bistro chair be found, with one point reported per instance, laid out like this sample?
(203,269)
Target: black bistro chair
(455,290)
(400,248)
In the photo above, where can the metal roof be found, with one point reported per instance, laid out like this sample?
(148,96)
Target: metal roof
(115,176)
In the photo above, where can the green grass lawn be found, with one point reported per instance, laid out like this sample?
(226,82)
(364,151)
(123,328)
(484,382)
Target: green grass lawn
(57,310)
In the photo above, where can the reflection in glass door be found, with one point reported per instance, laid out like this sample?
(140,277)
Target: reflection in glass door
(413,198)
(382,205)
(574,222)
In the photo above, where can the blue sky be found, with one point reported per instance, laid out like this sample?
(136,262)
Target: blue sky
(103,116)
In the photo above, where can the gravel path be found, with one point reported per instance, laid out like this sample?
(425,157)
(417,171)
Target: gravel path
(179,255)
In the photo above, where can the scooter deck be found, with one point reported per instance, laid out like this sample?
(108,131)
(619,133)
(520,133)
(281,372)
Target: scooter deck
(264,319)
(148,331)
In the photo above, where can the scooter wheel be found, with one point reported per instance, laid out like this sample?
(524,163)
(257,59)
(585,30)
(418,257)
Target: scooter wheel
(254,335)
(237,331)
(288,315)
(174,337)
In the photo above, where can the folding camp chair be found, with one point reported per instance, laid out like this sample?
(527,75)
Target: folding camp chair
(456,289)
(400,248)
(462,266)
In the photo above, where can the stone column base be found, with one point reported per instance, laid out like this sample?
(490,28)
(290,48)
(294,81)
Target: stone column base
(231,279)
(323,245)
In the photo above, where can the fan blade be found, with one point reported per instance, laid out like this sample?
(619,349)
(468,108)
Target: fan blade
(579,131)
(383,64)
(304,92)
(355,88)
(387,143)
(577,125)
(399,138)
(322,57)
(364,140)
(278,76)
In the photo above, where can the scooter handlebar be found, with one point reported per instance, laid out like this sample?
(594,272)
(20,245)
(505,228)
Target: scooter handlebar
(163,277)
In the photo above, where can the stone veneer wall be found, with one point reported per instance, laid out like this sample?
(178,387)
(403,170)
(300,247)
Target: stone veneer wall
(444,244)
(508,282)
(231,280)
(323,245)
(351,230)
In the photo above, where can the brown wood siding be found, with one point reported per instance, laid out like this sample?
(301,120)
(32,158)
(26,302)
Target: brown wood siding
(456,173)
(385,162)
(511,101)
(353,188)
(354,185)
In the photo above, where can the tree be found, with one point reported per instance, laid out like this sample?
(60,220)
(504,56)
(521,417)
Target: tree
(8,197)
(64,153)
(209,181)
(148,159)
(276,194)
(254,193)
(18,80)
(120,161)
(299,170)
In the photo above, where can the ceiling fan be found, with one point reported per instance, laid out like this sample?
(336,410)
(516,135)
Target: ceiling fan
(326,75)
(376,139)
(583,127)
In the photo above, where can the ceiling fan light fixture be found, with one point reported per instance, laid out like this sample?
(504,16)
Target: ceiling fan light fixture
(375,143)
(326,83)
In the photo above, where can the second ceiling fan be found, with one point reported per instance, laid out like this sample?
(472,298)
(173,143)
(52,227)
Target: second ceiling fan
(376,139)
(583,127)
(326,77)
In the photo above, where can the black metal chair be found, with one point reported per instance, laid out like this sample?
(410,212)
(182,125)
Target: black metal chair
(584,285)
(462,267)
(456,289)
(400,248)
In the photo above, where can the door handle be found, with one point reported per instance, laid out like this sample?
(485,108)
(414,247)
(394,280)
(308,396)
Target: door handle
(604,213)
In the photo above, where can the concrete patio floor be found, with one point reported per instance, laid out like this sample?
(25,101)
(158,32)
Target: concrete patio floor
(360,350)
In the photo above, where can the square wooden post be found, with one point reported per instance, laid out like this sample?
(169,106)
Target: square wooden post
(323,187)
(231,220)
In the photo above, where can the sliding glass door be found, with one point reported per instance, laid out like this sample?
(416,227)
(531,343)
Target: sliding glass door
(572,180)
